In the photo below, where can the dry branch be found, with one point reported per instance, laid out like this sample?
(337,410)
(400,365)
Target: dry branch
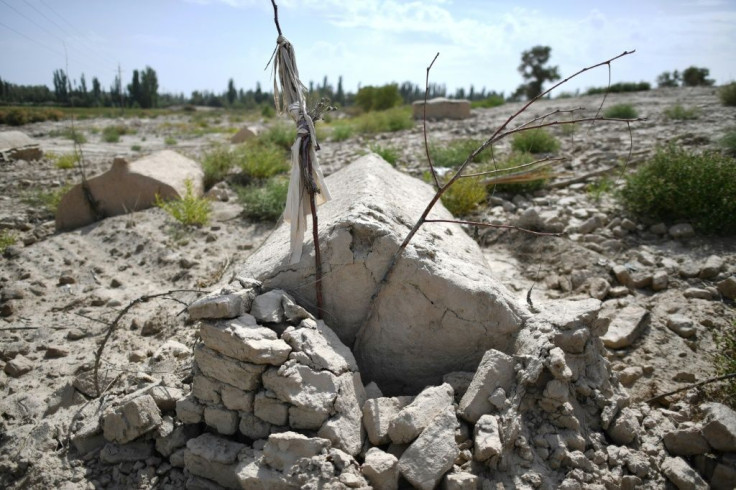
(690,387)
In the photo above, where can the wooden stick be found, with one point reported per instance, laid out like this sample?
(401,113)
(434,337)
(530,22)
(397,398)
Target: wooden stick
(312,189)
(689,387)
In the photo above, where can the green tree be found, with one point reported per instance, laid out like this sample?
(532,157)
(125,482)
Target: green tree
(340,94)
(378,98)
(134,89)
(696,77)
(96,92)
(232,94)
(534,71)
(668,79)
(149,88)
(61,86)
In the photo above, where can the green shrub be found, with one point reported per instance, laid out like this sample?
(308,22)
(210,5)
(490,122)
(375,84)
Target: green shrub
(170,141)
(70,133)
(280,134)
(680,113)
(724,362)
(535,141)
(569,129)
(463,196)
(621,111)
(16,117)
(454,153)
(677,185)
(601,186)
(728,142)
(620,88)
(136,147)
(727,94)
(264,202)
(66,161)
(216,164)
(111,134)
(6,239)
(391,155)
(378,98)
(488,102)
(46,199)
(190,210)
(268,111)
(387,121)
(527,183)
(341,131)
(262,160)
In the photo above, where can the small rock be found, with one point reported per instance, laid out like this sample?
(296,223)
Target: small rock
(461,481)
(685,441)
(681,231)
(658,229)
(18,366)
(727,287)
(682,475)
(626,327)
(284,449)
(622,273)
(713,266)
(381,469)
(55,352)
(660,280)
(689,269)
(684,377)
(599,288)
(268,307)
(223,420)
(487,438)
(681,325)
(697,293)
(719,427)
(624,428)
(137,356)
(495,370)
(134,418)
(630,375)
(67,277)
(119,453)
(378,414)
(415,417)
(7,309)
(151,327)
(11,293)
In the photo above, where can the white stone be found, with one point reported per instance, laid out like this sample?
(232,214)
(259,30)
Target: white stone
(433,453)
(378,414)
(626,327)
(415,417)
(286,448)
(345,428)
(131,420)
(487,438)
(236,399)
(301,386)
(214,458)
(230,305)
(685,441)
(270,410)
(681,325)
(253,427)
(243,339)
(319,348)
(719,426)
(496,370)
(268,307)
(381,469)
(252,474)
(441,309)
(624,429)
(462,481)
(189,411)
(239,374)
(682,475)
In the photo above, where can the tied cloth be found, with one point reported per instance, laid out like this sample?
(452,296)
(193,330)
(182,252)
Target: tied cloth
(289,97)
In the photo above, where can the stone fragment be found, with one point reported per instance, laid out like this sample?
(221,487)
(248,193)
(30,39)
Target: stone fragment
(301,386)
(381,469)
(416,416)
(572,341)
(598,288)
(177,438)
(120,453)
(214,458)
(235,399)
(301,418)
(660,280)
(320,348)
(486,438)
(681,325)
(224,421)
(686,440)
(623,275)
(626,327)
(557,364)
(253,474)
(293,312)
(698,293)
(18,366)
(689,269)
(433,453)
(16,145)
(462,481)
(459,380)
(131,420)
(441,108)
(712,267)
(286,448)
(723,478)
(681,231)
(443,307)
(171,349)
(189,411)
(719,426)
(378,414)
(624,429)
(270,409)
(727,287)
(372,391)
(345,428)
(496,370)
(55,352)
(230,305)
(206,389)
(245,133)
(630,375)
(682,475)
(243,375)
(268,307)
(243,339)
(166,397)
(252,427)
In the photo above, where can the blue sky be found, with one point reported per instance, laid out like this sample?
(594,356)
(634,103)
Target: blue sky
(200,44)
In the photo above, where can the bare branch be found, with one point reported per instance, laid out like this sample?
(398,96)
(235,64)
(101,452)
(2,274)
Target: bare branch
(518,167)
(689,387)
(424,122)
(276,16)
(491,225)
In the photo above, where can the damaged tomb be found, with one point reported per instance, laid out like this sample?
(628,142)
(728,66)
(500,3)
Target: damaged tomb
(451,383)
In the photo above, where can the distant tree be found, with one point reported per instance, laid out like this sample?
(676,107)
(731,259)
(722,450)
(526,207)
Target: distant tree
(378,98)
(116,92)
(340,94)
(534,71)
(61,86)
(232,94)
(149,89)
(96,92)
(696,77)
(667,79)
(134,89)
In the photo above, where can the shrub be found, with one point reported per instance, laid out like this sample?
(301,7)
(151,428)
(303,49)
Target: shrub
(136,147)
(70,133)
(694,76)
(6,239)
(262,160)
(216,164)
(47,199)
(463,196)
(391,120)
(267,111)
(266,202)
(620,87)
(728,142)
(488,102)
(170,141)
(535,141)
(453,154)
(727,94)
(599,187)
(569,129)
(391,155)
(518,184)
(677,185)
(724,362)
(16,117)
(280,134)
(66,161)
(190,210)
(111,134)
(378,98)
(680,113)
(341,131)
(621,111)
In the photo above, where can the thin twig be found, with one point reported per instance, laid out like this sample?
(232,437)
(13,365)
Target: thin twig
(424,122)
(276,16)
(695,385)
(491,225)
(545,160)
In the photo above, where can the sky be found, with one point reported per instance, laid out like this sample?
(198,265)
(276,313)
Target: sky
(201,44)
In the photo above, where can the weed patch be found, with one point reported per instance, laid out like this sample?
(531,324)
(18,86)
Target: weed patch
(341,131)
(262,160)
(391,155)
(111,134)
(217,163)
(517,184)
(463,196)
(46,199)
(621,111)
(453,154)
(70,133)
(66,161)
(679,113)
(264,202)
(728,142)
(190,210)
(535,141)
(724,362)
(727,94)
(601,186)
(170,141)
(7,239)
(679,185)
(488,102)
